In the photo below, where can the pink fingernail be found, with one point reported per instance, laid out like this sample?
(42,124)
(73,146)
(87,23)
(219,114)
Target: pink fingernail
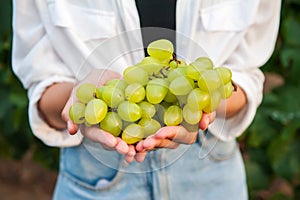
(71,128)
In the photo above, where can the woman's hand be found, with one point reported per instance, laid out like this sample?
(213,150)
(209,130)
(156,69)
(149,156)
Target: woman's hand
(107,140)
(172,136)
(97,77)
(112,143)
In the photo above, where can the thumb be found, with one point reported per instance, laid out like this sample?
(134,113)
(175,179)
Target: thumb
(71,126)
(206,120)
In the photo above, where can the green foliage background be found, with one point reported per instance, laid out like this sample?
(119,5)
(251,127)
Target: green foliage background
(271,145)
(15,135)
(273,140)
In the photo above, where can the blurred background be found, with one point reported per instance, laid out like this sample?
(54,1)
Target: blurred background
(270,146)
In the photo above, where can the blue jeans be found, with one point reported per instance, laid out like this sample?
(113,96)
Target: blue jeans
(209,169)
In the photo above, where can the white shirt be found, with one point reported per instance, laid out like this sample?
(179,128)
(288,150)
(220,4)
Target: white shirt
(61,40)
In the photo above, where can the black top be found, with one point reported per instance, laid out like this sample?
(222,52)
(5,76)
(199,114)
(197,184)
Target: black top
(157,13)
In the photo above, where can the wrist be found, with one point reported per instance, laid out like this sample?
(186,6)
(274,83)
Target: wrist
(234,104)
(52,103)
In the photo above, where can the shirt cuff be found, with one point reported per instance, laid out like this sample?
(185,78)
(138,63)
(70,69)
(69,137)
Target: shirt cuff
(49,135)
(228,129)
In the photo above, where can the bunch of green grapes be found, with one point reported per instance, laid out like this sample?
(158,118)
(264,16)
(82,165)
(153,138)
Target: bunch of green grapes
(160,90)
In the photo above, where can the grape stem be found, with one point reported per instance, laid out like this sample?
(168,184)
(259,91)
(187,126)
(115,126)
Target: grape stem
(174,56)
(234,85)
(113,109)
(162,72)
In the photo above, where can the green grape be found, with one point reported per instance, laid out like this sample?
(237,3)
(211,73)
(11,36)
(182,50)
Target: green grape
(173,64)
(224,74)
(215,98)
(180,71)
(190,115)
(129,111)
(112,82)
(126,123)
(151,65)
(95,111)
(181,63)
(198,99)
(206,61)
(192,72)
(156,90)
(150,126)
(181,85)
(133,133)
(85,92)
(170,97)
(112,96)
(190,127)
(182,100)
(151,68)
(163,73)
(118,83)
(135,92)
(76,112)
(135,74)
(160,112)
(161,49)
(87,124)
(166,105)
(99,91)
(209,81)
(226,90)
(112,123)
(151,60)
(173,116)
(198,66)
(148,109)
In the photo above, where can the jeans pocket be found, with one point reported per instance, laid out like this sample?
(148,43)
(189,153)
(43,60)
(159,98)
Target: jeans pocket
(90,166)
(215,148)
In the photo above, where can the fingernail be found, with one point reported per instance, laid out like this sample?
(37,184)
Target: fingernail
(70,127)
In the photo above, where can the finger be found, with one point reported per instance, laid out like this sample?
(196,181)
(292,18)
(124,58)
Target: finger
(72,127)
(177,134)
(97,135)
(153,143)
(140,156)
(72,99)
(121,146)
(206,120)
(139,146)
(212,117)
(129,157)
(65,112)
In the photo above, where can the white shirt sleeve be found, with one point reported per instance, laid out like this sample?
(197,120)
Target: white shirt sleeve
(252,52)
(38,66)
